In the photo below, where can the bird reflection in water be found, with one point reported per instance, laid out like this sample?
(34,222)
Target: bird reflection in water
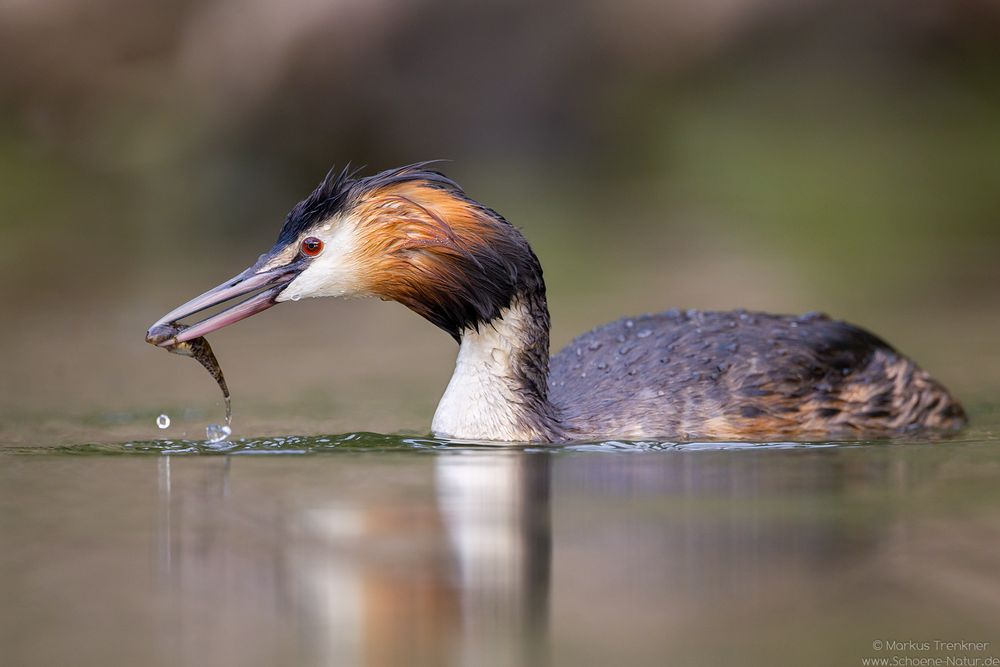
(496,507)
(451,557)
(454,574)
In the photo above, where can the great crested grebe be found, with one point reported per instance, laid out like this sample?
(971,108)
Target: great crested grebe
(412,235)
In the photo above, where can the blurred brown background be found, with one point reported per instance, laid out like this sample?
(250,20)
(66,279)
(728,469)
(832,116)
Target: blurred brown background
(785,155)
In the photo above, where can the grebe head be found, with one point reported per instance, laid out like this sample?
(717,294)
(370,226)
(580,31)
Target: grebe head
(409,234)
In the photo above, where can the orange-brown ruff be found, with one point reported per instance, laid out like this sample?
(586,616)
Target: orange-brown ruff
(412,235)
(441,255)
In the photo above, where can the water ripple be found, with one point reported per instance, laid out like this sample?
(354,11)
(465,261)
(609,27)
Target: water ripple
(362,442)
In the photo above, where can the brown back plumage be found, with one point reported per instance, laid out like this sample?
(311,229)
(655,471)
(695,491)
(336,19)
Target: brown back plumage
(739,375)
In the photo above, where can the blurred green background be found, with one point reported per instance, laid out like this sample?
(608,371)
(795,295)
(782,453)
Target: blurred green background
(787,155)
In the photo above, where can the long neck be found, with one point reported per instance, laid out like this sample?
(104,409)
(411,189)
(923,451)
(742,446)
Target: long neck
(499,390)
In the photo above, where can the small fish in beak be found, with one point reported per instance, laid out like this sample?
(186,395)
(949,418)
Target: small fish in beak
(260,285)
(196,348)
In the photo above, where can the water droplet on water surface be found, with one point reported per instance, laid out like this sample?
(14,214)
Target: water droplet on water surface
(216,433)
(163,421)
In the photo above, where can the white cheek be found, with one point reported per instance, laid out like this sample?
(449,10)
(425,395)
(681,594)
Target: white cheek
(332,273)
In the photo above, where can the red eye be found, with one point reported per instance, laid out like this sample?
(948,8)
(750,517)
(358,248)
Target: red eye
(311,246)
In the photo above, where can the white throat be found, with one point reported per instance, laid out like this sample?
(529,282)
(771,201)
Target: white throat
(484,400)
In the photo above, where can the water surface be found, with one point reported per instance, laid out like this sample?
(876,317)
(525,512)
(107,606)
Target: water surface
(379,549)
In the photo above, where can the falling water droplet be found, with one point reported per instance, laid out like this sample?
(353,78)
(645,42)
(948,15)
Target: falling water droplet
(163,421)
(216,433)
